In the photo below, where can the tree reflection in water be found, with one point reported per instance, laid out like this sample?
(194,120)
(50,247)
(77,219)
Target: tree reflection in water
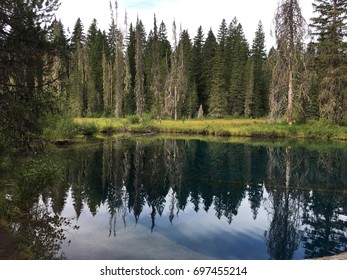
(302,195)
(42,234)
(283,207)
(40,197)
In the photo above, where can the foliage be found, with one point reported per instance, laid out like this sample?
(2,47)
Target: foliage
(217,94)
(59,127)
(26,86)
(329,29)
(150,75)
(198,65)
(123,71)
(260,81)
(139,76)
(134,119)
(239,57)
(147,119)
(290,28)
(242,127)
(35,176)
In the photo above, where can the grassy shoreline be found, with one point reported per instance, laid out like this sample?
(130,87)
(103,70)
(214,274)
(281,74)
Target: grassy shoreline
(251,128)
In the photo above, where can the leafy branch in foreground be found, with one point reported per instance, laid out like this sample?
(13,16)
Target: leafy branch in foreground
(26,57)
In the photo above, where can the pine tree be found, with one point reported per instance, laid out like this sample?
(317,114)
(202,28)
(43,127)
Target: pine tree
(228,55)
(289,32)
(26,57)
(240,52)
(313,92)
(149,78)
(258,57)
(77,79)
(217,94)
(249,98)
(77,35)
(209,51)
(330,26)
(164,43)
(60,66)
(130,100)
(183,65)
(190,105)
(109,67)
(197,67)
(222,34)
(155,72)
(224,46)
(139,76)
(119,74)
(94,72)
(118,63)
(165,52)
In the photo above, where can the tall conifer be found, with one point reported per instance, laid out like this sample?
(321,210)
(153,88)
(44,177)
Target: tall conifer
(199,79)
(217,94)
(209,51)
(260,89)
(240,54)
(330,28)
(139,76)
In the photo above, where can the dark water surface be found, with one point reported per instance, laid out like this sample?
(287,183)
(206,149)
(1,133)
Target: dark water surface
(157,198)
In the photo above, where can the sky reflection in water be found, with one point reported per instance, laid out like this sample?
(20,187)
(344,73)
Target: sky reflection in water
(144,198)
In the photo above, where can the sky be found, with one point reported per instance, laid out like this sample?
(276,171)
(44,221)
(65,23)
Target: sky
(189,14)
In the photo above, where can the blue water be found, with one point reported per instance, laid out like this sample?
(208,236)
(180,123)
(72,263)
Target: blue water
(156,198)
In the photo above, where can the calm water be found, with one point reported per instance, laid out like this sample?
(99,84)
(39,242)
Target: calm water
(156,198)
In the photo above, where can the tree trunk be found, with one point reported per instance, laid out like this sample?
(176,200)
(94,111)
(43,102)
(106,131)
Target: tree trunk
(175,102)
(290,97)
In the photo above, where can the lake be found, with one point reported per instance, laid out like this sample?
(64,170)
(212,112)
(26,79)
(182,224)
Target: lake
(161,197)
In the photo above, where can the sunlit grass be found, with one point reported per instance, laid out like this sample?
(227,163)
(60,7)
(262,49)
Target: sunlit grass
(102,124)
(255,128)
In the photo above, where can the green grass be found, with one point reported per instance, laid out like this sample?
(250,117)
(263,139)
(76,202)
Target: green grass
(103,124)
(257,128)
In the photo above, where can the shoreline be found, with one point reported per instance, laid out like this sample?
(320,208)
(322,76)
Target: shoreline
(245,128)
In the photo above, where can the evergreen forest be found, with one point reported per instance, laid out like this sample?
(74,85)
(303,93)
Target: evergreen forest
(131,69)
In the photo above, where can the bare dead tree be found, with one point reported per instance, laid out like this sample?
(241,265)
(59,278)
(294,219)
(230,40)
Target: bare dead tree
(155,71)
(118,63)
(176,84)
(290,28)
(279,86)
(127,72)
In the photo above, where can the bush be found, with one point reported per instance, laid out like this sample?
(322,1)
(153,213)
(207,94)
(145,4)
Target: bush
(147,119)
(60,127)
(87,128)
(134,119)
(36,175)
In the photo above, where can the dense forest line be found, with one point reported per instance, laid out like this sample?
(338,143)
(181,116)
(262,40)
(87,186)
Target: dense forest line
(124,71)
(118,74)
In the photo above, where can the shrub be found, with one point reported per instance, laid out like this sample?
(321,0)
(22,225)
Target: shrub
(134,119)
(36,175)
(87,128)
(147,119)
(59,127)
